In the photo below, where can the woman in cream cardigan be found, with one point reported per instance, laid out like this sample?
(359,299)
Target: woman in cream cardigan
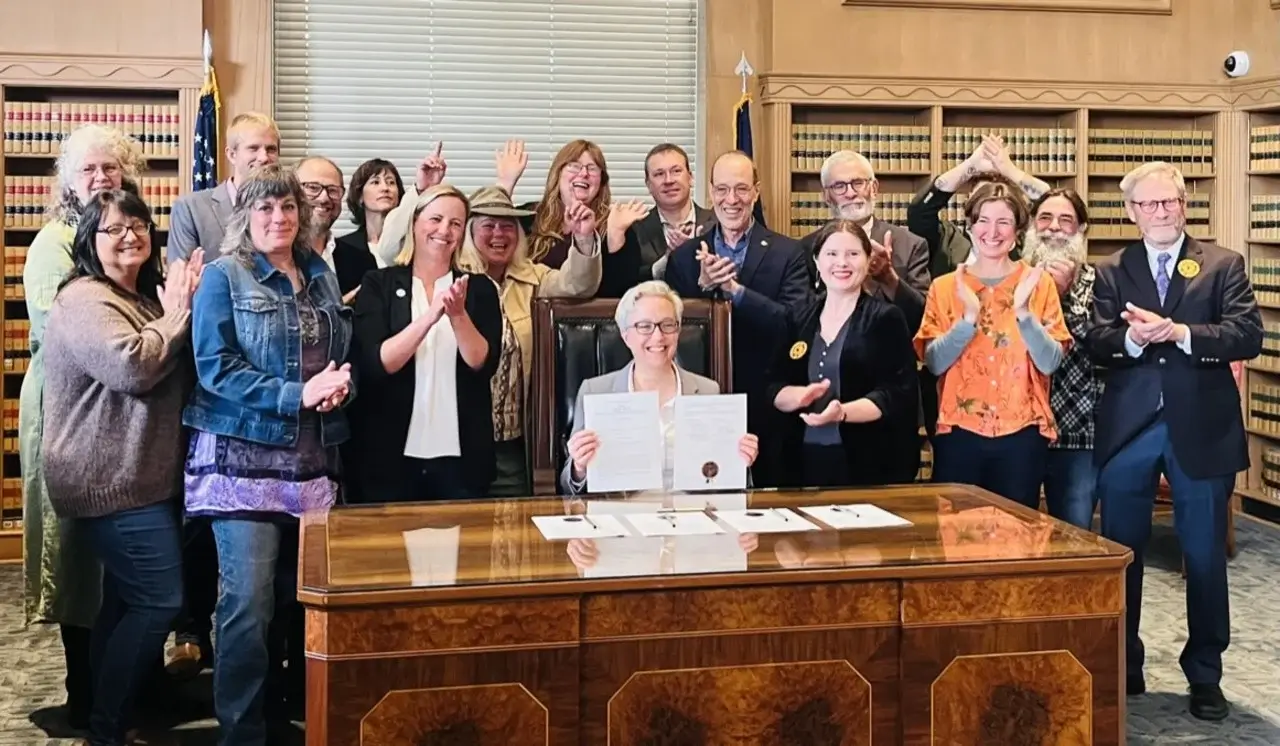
(494,244)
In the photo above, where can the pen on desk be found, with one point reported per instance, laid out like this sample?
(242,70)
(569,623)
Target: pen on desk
(590,522)
(780,514)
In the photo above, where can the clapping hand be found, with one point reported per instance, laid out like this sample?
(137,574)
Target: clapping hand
(623,215)
(181,282)
(833,413)
(1026,286)
(581,222)
(323,388)
(997,154)
(1146,327)
(1063,273)
(454,299)
(432,169)
(881,264)
(716,271)
(814,392)
(968,299)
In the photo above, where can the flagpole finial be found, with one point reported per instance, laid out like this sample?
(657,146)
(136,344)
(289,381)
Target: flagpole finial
(745,70)
(207,52)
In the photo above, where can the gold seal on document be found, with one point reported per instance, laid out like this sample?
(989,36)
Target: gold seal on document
(710,470)
(798,350)
(1188,268)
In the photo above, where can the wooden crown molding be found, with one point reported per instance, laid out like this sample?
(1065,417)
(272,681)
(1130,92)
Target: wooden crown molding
(72,70)
(807,89)
(1275,4)
(1139,7)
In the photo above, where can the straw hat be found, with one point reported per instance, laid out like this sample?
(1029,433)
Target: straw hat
(495,202)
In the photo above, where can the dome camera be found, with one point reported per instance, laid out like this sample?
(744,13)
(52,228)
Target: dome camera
(1236,65)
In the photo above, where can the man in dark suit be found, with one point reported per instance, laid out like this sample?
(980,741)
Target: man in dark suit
(677,217)
(1170,315)
(899,269)
(766,278)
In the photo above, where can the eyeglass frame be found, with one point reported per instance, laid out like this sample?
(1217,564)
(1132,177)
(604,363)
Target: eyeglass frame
(1148,207)
(857,185)
(574,168)
(313,189)
(654,326)
(141,230)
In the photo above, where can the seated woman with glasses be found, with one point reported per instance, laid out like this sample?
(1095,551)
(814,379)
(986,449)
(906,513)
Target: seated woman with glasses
(649,316)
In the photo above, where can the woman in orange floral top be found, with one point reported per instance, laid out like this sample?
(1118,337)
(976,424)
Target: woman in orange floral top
(993,333)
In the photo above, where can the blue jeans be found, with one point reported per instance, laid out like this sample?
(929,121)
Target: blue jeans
(1070,486)
(1127,487)
(258,584)
(141,554)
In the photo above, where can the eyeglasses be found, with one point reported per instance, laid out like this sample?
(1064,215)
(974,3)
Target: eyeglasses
(107,169)
(141,230)
(1147,207)
(645,328)
(742,191)
(843,187)
(576,168)
(313,189)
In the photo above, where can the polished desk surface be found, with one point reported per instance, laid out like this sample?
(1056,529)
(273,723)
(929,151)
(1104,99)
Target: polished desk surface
(491,548)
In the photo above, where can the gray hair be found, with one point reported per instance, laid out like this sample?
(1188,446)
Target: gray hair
(841,157)
(265,182)
(320,159)
(65,204)
(648,289)
(1150,170)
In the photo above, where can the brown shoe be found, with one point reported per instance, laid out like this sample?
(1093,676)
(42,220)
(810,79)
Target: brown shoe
(184,661)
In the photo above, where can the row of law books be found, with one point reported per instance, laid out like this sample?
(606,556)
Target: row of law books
(26,199)
(1270,357)
(1264,148)
(9,416)
(17,345)
(890,148)
(15,258)
(11,504)
(1264,407)
(1115,152)
(1108,218)
(1043,151)
(36,128)
(1264,217)
(1264,275)
(1271,472)
(809,212)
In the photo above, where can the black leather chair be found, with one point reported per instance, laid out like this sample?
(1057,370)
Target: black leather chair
(577,340)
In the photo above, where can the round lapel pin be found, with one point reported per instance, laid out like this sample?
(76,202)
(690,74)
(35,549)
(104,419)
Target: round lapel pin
(1188,268)
(798,349)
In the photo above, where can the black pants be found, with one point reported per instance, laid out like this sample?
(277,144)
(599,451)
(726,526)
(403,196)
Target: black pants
(430,480)
(1011,465)
(75,651)
(200,576)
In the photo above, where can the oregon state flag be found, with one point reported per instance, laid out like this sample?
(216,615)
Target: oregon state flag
(204,166)
(743,141)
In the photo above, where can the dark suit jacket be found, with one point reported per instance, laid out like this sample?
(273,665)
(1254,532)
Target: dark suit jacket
(650,240)
(352,259)
(910,261)
(383,307)
(618,269)
(775,280)
(1201,401)
(876,362)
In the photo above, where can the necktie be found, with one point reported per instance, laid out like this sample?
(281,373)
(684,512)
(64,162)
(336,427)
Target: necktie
(1162,275)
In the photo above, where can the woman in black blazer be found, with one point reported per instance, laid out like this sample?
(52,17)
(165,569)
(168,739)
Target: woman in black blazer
(850,373)
(375,191)
(427,341)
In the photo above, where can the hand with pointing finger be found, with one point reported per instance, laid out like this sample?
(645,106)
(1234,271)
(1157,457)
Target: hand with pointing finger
(432,169)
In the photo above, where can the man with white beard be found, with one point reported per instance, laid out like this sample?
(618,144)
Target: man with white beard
(899,268)
(1055,241)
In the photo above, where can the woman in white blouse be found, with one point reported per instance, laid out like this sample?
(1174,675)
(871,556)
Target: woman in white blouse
(427,342)
(649,317)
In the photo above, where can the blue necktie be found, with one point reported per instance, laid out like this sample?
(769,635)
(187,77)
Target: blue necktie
(1162,275)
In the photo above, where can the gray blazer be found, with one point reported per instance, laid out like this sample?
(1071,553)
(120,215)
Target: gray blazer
(198,221)
(619,382)
(910,261)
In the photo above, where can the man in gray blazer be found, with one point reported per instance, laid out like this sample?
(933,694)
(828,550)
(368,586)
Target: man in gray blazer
(899,271)
(199,219)
(677,217)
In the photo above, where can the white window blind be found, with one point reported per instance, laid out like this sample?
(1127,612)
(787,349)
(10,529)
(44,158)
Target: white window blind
(360,79)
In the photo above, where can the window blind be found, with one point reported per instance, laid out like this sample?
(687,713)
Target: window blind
(360,79)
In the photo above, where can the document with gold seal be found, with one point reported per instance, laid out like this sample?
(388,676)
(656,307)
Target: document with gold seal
(709,431)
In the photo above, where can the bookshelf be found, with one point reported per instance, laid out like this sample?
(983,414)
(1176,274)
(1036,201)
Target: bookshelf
(41,103)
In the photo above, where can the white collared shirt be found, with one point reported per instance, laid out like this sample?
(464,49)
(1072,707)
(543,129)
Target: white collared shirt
(1153,263)
(327,254)
(433,423)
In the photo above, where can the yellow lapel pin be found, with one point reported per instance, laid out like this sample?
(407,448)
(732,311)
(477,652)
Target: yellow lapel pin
(798,350)
(1188,268)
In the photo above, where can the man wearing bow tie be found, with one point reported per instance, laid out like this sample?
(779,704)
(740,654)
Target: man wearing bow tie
(1170,315)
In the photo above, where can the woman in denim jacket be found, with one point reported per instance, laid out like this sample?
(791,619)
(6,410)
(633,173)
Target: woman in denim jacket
(271,338)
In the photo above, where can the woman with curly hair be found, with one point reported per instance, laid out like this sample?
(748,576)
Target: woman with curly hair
(62,578)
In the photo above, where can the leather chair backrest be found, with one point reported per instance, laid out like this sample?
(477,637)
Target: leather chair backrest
(577,340)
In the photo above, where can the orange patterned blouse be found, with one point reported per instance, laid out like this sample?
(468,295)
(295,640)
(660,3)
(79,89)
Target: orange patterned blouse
(993,389)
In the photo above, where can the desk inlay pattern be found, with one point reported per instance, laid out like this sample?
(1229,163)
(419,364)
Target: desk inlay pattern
(956,601)
(496,715)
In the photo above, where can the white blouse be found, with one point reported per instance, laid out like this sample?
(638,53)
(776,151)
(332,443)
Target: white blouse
(433,424)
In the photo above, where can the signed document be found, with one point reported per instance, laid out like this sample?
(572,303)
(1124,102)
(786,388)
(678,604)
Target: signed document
(630,432)
(708,431)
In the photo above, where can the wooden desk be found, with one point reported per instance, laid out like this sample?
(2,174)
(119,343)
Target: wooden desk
(981,623)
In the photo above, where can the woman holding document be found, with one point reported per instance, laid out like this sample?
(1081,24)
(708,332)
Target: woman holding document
(649,317)
(849,375)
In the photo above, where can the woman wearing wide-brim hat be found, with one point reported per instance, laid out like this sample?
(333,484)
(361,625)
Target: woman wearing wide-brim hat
(494,244)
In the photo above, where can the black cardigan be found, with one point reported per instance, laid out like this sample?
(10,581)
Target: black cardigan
(877,362)
(352,259)
(383,308)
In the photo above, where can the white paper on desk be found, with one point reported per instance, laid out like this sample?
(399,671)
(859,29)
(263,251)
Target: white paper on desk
(626,557)
(708,430)
(765,521)
(855,516)
(674,523)
(558,527)
(629,456)
(701,554)
(433,555)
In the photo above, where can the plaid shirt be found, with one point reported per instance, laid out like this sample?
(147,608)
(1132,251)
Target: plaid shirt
(1075,389)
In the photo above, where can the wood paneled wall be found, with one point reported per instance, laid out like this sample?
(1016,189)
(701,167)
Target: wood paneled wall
(130,29)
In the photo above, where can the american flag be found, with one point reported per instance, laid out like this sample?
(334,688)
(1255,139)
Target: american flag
(744,142)
(204,166)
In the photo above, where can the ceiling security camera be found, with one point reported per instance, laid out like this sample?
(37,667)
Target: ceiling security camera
(1236,65)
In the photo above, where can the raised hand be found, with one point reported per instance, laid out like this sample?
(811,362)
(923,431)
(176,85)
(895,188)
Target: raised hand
(510,162)
(880,265)
(1063,273)
(997,154)
(582,448)
(325,384)
(432,169)
(454,299)
(580,220)
(623,215)
(1026,286)
(968,299)
(833,413)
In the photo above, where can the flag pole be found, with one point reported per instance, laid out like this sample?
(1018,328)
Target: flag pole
(745,70)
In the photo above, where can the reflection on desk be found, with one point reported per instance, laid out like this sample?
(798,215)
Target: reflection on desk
(472,544)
